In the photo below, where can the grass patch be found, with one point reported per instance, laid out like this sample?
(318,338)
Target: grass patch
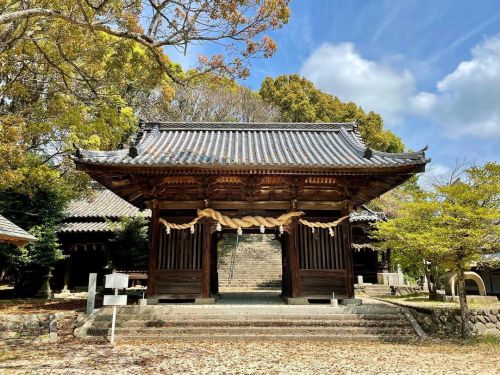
(483,340)
(422,300)
(37,306)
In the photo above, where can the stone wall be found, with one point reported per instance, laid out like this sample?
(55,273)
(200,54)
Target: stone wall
(448,321)
(27,327)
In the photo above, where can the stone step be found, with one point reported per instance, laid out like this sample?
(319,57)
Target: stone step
(272,337)
(250,318)
(209,331)
(239,309)
(101,324)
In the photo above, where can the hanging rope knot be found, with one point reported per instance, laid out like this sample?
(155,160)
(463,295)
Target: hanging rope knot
(318,224)
(248,221)
(251,221)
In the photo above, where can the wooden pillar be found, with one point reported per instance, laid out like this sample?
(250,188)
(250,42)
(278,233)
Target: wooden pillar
(293,258)
(153,250)
(346,243)
(67,272)
(206,258)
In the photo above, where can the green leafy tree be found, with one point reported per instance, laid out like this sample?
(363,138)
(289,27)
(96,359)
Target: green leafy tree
(74,72)
(300,101)
(409,234)
(453,227)
(36,205)
(130,243)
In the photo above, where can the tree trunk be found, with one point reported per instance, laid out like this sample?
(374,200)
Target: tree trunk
(430,285)
(464,308)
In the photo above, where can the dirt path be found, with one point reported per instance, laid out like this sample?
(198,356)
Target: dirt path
(74,357)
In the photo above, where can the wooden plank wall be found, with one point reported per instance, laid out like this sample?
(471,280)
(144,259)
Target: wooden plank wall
(319,250)
(180,250)
(178,283)
(179,263)
(323,265)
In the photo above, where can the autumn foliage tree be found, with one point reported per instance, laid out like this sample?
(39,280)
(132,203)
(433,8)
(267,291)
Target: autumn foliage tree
(74,72)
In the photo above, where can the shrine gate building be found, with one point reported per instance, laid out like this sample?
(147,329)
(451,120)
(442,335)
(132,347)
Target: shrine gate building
(298,180)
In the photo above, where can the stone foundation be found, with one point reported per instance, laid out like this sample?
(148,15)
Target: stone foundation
(27,327)
(449,322)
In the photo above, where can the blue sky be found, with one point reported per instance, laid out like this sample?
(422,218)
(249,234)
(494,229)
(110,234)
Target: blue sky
(431,68)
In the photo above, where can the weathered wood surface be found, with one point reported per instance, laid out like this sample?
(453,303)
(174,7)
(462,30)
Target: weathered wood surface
(178,282)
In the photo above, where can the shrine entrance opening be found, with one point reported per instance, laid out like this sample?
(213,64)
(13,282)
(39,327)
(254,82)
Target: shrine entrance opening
(250,262)
(249,267)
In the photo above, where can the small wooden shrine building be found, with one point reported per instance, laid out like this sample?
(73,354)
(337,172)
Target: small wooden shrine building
(86,233)
(367,260)
(13,234)
(300,180)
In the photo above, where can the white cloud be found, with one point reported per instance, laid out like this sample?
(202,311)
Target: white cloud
(339,69)
(467,101)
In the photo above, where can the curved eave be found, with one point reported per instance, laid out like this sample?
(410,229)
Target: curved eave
(410,167)
(16,240)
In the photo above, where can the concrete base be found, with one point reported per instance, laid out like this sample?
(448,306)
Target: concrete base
(351,302)
(297,301)
(334,302)
(393,278)
(204,301)
(153,301)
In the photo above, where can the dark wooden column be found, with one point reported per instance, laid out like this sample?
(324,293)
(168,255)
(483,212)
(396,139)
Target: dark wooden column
(67,272)
(206,256)
(346,242)
(153,250)
(293,258)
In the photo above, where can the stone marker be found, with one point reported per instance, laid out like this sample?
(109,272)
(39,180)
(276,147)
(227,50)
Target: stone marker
(360,280)
(91,292)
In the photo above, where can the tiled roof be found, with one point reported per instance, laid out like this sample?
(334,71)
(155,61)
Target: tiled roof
(10,232)
(103,204)
(236,145)
(365,214)
(83,227)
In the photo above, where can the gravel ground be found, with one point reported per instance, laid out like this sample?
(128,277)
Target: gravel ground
(70,356)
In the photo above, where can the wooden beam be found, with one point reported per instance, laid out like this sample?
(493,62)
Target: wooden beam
(153,250)
(258,205)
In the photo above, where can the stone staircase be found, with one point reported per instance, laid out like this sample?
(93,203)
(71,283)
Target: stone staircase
(253,263)
(255,322)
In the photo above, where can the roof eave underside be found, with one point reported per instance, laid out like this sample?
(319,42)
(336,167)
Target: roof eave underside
(250,169)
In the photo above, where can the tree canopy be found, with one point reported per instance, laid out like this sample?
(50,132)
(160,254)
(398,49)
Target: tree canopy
(449,228)
(237,26)
(210,98)
(300,101)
